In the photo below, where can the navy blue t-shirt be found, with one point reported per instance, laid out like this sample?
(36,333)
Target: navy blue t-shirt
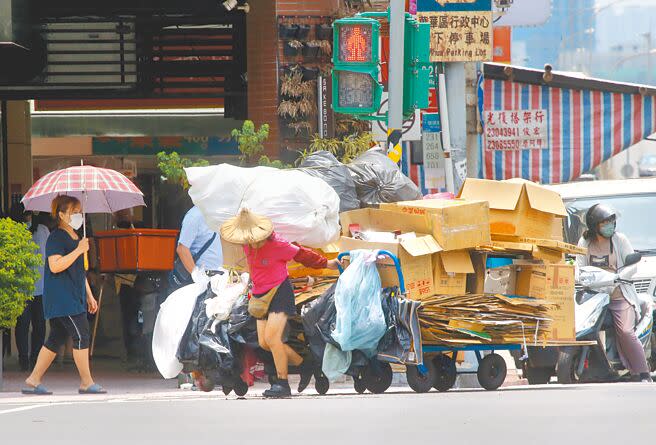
(64,293)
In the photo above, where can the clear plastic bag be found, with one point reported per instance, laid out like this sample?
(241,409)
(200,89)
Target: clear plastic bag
(360,322)
(227,288)
(303,208)
(335,362)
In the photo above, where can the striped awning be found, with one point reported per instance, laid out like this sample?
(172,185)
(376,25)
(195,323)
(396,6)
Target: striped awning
(584,127)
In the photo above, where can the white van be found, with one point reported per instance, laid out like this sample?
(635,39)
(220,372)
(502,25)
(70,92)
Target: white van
(635,201)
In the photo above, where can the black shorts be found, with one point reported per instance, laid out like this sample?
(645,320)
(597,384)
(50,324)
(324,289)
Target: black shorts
(284,301)
(75,326)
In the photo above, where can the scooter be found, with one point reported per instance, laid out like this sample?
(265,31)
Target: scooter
(599,362)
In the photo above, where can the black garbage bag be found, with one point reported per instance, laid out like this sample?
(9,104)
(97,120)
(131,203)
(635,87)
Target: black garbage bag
(216,348)
(324,165)
(319,318)
(242,327)
(189,349)
(378,179)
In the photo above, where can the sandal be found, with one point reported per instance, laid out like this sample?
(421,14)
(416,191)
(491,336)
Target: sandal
(38,390)
(93,389)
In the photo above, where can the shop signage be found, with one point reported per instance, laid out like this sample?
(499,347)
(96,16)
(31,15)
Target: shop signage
(201,146)
(516,130)
(461,31)
(431,140)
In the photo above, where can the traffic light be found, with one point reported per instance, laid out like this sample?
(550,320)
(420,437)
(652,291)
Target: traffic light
(356,89)
(416,74)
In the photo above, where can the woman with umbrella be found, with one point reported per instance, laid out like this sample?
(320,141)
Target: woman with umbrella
(67,297)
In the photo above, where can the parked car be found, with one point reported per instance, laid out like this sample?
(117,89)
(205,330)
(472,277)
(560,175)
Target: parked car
(647,165)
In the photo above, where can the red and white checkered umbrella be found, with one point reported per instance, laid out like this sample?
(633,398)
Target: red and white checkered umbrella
(100,190)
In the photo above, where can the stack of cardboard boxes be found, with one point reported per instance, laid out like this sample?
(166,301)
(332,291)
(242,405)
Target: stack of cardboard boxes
(443,245)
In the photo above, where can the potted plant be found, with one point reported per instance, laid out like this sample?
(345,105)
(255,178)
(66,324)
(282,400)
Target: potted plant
(292,48)
(18,273)
(250,140)
(303,32)
(324,32)
(325,48)
(287,31)
(311,50)
(291,86)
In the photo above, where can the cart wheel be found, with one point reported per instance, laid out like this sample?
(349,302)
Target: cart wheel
(492,372)
(377,378)
(418,381)
(205,383)
(566,369)
(538,375)
(358,384)
(241,388)
(227,390)
(321,384)
(445,372)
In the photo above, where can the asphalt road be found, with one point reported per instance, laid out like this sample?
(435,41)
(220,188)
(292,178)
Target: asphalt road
(591,414)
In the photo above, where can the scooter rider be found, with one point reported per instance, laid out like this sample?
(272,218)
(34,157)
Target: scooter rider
(608,249)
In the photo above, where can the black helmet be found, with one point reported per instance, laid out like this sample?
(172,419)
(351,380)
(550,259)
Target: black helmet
(598,213)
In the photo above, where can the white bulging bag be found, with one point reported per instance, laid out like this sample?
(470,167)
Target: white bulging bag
(303,208)
(171,323)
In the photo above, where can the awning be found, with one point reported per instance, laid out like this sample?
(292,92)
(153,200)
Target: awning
(553,127)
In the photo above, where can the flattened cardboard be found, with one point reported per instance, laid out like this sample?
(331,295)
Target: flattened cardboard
(384,221)
(455,224)
(519,207)
(554,283)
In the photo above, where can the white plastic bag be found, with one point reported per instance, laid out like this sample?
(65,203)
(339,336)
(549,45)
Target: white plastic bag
(303,208)
(227,294)
(171,323)
(360,322)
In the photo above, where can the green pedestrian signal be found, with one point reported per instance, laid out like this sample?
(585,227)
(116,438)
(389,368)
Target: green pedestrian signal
(356,55)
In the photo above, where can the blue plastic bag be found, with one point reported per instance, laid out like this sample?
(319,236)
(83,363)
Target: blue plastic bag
(360,320)
(335,362)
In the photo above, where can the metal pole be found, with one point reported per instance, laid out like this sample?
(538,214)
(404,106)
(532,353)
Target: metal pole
(446,133)
(395,86)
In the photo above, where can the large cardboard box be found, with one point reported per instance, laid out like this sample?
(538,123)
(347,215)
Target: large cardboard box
(415,254)
(555,283)
(518,207)
(450,270)
(455,224)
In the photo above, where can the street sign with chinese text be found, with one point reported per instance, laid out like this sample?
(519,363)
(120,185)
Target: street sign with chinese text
(516,130)
(434,172)
(461,31)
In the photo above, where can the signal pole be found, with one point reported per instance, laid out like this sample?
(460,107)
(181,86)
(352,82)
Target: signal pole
(395,87)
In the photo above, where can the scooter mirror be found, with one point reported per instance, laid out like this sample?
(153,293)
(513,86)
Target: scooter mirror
(632,259)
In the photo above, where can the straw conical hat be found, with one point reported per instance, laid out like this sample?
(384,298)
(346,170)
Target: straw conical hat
(246,228)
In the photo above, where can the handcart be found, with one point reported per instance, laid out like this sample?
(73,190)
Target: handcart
(437,368)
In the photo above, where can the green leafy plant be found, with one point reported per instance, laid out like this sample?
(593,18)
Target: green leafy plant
(250,140)
(345,149)
(276,163)
(18,262)
(172,167)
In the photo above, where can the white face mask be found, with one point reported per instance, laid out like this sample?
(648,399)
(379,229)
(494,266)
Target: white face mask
(76,221)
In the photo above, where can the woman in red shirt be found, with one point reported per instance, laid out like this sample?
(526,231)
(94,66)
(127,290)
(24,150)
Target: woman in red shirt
(268,254)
